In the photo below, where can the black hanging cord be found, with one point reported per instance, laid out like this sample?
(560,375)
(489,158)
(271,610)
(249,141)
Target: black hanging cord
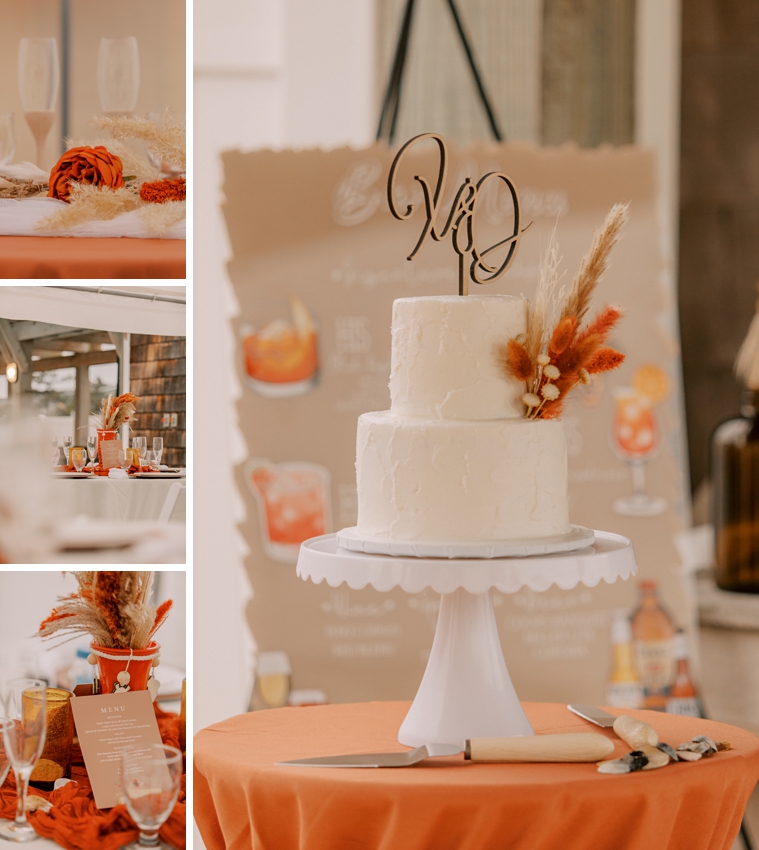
(392,99)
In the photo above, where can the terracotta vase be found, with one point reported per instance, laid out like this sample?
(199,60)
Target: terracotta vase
(104,434)
(131,660)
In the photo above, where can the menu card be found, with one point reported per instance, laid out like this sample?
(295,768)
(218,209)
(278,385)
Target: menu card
(109,450)
(105,724)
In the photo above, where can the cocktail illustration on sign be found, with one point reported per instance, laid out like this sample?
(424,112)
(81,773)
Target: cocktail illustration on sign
(280,357)
(635,436)
(293,504)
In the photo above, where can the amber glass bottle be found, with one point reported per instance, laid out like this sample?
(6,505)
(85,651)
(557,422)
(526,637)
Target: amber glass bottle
(652,632)
(683,698)
(735,499)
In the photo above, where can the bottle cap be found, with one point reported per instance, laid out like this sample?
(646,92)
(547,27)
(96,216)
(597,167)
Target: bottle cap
(680,645)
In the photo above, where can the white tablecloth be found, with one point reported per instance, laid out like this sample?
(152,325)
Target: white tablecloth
(105,498)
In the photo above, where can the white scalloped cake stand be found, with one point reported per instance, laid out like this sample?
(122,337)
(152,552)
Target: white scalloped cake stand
(466,691)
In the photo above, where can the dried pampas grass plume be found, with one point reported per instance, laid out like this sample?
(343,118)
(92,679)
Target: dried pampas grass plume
(91,203)
(166,143)
(594,264)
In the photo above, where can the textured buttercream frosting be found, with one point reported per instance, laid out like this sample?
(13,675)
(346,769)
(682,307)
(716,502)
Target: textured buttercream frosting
(453,480)
(445,357)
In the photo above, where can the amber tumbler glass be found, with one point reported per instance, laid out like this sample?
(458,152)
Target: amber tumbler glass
(55,761)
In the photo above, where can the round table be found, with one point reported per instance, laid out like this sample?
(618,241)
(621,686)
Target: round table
(86,257)
(242,800)
(110,498)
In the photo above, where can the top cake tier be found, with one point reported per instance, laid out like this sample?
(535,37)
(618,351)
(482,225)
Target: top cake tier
(445,359)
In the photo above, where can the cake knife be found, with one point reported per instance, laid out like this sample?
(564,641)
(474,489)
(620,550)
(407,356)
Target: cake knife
(569,747)
(594,715)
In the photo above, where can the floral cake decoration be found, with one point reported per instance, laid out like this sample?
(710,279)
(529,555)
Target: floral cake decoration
(558,351)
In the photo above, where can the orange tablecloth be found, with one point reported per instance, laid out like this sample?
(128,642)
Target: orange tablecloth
(76,823)
(242,800)
(83,257)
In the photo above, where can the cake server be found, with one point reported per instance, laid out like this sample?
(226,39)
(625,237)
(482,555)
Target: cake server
(594,715)
(571,747)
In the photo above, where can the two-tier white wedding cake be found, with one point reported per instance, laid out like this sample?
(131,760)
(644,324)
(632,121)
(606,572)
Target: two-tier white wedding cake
(454,459)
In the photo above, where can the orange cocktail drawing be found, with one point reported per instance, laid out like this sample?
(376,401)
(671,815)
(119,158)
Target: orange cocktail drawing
(293,500)
(635,437)
(281,357)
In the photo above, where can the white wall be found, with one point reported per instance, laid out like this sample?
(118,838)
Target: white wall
(268,73)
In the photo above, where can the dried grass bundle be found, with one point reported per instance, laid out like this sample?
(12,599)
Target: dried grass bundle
(115,412)
(113,608)
(91,203)
(160,218)
(557,353)
(10,187)
(167,143)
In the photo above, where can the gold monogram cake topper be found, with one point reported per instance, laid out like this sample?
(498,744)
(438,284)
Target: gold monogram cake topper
(461,219)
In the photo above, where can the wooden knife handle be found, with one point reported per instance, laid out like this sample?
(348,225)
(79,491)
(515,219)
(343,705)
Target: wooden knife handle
(574,746)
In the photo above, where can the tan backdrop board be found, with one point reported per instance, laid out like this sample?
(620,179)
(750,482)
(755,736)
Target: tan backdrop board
(317,262)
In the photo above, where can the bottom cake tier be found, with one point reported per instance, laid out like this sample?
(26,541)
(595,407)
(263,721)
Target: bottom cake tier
(460,480)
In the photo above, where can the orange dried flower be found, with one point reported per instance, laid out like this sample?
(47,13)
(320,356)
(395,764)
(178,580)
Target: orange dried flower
(85,165)
(562,336)
(603,360)
(518,361)
(578,354)
(602,324)
(160,191)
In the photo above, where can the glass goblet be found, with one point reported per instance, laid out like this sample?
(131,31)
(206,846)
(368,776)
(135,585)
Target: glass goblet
(68,442)
(78,456)
(38,80)
(54,450)
(24,739)
(150,780)
(154,461)
(118,75)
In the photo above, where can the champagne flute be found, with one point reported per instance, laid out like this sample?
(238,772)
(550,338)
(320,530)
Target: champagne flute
(158,447)
(38,79)
(150,779)
(7,138)
(92,449)
(118,75)
(24,739)
(68,442)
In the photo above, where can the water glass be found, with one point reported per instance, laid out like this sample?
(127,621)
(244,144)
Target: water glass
(154,460)
(24,739)
(7,138)
(78,455)
(118,74)
(150,779)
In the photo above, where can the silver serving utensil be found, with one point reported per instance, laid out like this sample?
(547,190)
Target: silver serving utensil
(594,715)
(405,759)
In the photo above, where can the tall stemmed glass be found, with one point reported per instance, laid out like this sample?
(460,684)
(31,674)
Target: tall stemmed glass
(158,447)
(68,442)
(24,739)
(118,75)
(150,780)
(38,80)
(92,449)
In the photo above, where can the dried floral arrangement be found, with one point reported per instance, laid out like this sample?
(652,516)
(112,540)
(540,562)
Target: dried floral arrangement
(115,412)
(105,178)
(557,353)
(113,608)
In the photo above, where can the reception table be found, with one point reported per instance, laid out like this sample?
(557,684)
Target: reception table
(242,800)
(83,257)
(109,498)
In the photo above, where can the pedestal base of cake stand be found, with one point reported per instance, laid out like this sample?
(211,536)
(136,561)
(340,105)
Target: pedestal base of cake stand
(466,690)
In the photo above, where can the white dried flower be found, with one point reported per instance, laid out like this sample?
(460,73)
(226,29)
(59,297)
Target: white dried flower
(550,392)
(584,376)
(543,359)
(551,372)
(531,400)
